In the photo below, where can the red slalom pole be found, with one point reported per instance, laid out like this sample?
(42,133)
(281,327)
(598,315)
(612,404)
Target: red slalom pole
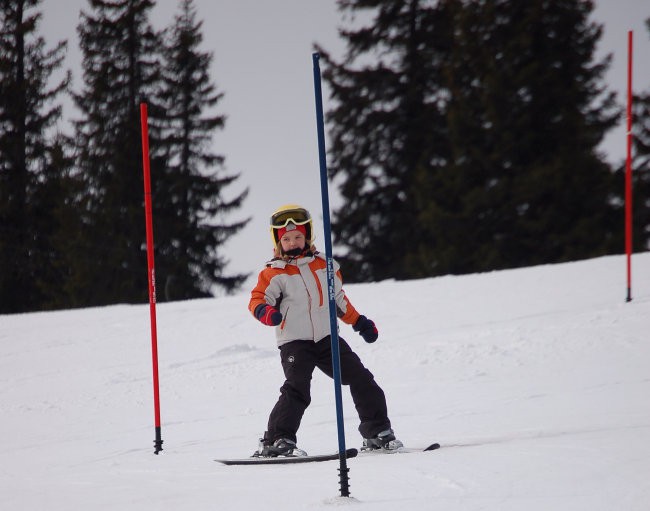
(628,172)
(151,272)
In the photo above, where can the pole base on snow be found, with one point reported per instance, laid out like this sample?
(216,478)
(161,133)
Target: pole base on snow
(157,443)
(344,479)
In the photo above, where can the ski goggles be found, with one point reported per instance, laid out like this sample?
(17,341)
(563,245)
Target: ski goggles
(298,216)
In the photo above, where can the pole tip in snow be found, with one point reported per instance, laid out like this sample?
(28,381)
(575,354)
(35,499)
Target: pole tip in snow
(157,443)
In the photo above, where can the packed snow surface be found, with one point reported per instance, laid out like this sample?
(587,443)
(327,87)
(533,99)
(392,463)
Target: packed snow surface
(535,381)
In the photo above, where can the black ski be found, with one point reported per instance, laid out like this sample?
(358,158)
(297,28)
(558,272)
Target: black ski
(281,460)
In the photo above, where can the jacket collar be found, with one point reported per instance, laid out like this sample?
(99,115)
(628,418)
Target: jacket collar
(279,262)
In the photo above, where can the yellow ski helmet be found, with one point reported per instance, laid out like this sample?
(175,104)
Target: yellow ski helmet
(291,214)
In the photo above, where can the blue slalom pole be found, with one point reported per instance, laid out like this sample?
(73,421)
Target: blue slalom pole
(334,333)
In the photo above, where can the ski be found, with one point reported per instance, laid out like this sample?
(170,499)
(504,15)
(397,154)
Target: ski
(281,460)
(401,450)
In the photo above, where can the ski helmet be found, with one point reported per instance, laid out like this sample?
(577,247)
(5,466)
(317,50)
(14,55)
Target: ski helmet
(291,214)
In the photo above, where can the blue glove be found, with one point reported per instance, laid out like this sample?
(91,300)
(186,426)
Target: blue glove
(268,315)
(366,328)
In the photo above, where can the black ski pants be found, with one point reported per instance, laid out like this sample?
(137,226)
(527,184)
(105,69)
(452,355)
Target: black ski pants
(299,358)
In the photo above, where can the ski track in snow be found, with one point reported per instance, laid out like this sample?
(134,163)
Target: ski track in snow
(534,380)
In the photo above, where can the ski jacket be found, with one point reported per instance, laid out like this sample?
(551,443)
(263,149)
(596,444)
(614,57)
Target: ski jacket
(298,289)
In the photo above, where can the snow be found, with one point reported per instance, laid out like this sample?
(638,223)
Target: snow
(535,382)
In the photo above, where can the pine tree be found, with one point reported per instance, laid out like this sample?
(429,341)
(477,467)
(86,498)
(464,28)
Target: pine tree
(470,143)
(528,110)
(641,172)
(121,68)
(190,202)
(386,129)
(32,164)
(55,207)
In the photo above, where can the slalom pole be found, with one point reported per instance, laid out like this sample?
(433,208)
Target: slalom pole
(151,273)
(628,172)
(334,336)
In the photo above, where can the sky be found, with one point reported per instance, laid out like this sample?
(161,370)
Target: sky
(263,64)
(534,381)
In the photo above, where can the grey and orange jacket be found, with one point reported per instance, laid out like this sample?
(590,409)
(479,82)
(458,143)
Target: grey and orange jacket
(298,289)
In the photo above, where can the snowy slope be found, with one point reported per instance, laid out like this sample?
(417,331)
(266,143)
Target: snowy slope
(535,381)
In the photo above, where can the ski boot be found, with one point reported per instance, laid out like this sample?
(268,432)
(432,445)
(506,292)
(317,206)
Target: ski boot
(384,440)
(281,447)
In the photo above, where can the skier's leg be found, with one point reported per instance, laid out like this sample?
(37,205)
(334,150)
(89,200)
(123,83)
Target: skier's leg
(298,364)
(367,395)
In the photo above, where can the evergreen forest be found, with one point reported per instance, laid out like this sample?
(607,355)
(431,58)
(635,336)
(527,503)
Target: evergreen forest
(464,137)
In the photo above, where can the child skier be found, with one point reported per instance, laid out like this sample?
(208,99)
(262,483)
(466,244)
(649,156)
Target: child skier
(291,295)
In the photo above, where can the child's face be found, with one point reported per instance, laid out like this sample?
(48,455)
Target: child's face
(292,239)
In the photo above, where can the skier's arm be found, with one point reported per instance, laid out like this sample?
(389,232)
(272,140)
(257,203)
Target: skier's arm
(264,298)
(348,314)
(345,310)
